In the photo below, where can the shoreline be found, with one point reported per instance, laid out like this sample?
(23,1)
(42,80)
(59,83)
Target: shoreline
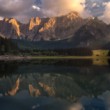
(12,58)
(16,58)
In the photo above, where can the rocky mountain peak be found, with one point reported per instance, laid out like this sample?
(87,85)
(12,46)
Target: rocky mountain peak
(90,32)
(48,25)
(15,25)
(34,22)
(73,15)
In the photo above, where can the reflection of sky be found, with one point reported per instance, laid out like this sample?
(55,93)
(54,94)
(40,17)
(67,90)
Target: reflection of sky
(23,101)
(106,98)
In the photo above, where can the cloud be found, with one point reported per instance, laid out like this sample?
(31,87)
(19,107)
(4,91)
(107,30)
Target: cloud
(106,15)
(36,7)
(60,7)
(95,5)
(15,8)
(1,18)
(23,9)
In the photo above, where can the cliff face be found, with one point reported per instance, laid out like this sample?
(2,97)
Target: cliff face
(42,28)
(71,28)
(94,34)
(15,26)
(10,28)
(34,22)
(58,28)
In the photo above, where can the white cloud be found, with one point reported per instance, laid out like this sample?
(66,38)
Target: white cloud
(36,7)
(94,4)
(17,8)
(23,9)
(59,7)
(1,18)
(106,15)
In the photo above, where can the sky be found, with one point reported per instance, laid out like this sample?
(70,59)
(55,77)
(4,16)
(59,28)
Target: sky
(23,10)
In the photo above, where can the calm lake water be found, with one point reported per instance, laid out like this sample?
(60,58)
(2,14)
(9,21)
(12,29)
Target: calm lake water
(55,85)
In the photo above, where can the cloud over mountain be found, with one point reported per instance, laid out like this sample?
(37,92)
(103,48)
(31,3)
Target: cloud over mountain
(25,9)
(106,14)
(15,8)
(59,7)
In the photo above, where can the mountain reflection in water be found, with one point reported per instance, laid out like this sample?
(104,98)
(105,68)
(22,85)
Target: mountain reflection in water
(55,85)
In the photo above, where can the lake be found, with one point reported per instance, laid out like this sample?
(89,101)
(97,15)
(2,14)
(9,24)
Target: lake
(55,85)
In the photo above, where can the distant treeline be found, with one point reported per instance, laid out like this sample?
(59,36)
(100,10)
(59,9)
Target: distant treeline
(60,52)
(8,47)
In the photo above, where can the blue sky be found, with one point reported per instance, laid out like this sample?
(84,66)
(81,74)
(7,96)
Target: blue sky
(23,10)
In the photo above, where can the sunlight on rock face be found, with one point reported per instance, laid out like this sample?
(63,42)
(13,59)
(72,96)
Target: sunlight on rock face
(34,22)
(34,91)
(76,106)
(49,90)
(15,89)
(15,25)
(6,19)
(73,15)
(48,25)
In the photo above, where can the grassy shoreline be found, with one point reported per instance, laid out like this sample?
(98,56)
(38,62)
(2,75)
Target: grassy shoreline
(13,57)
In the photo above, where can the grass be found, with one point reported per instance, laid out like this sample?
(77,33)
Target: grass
(68,57)
(11,57)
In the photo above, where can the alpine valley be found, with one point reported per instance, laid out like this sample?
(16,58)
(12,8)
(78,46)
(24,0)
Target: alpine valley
(63,32)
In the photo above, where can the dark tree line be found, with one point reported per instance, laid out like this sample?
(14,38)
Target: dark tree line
(60,52)
(7,47)
(75,51)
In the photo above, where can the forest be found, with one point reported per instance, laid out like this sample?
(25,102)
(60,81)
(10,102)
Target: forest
(7,47)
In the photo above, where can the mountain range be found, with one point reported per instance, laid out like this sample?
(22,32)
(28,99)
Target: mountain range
(67,31)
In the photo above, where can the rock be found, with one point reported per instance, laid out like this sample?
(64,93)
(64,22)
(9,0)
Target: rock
(34,22)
